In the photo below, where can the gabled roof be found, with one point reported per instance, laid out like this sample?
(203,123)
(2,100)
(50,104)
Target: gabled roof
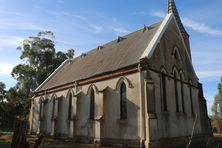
(117,54)
(156,38)
(120,53)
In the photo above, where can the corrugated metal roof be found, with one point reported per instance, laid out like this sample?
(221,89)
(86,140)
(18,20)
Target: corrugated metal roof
(114,55)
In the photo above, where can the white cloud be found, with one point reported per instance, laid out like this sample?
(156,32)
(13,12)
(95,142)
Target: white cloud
(6,69)
(96,28)
(119,30)
(30,26)
(196,26)
(209,73)
(9,41)
(7,24)
(85,19)
(116,26)
(201,27)
(4,12)
(160,14)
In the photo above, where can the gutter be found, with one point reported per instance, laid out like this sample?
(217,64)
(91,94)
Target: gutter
(80,79)
(142,111)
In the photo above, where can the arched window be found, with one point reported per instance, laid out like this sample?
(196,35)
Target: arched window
(176,91)
(70,107)
(182,92)
(92,105)
(191,97)
(123,102)
(163,89)
(53,107)
(176,54)
(41,108)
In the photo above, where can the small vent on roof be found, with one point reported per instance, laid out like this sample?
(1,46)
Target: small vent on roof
(83,55)
(120,39)
(145,28)
(100,47)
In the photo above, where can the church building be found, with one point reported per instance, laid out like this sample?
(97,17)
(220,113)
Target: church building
(139,90)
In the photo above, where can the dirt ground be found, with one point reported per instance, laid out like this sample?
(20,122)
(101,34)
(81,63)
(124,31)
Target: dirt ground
(5,141)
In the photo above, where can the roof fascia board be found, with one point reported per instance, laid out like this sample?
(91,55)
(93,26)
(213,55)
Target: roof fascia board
(158,35)
(156,38)
(57,69)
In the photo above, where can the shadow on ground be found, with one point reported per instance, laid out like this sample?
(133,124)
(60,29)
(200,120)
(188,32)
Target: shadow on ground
(5,141)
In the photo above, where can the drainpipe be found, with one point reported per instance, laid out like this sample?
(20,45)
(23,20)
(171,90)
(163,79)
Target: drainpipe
(142,108)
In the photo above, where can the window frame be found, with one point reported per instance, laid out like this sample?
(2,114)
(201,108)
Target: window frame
(92,105)
(176,91)
(163,91)
(123,101)
(70,106)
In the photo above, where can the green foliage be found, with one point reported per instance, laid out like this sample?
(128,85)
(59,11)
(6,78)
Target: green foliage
(217,107)
(2,91)
(70,53)
(40,59)
(12,108)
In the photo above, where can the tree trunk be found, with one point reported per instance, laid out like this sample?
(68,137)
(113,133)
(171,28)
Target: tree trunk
(19,135)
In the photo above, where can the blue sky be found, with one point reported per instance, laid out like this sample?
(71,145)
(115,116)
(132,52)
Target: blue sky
(85,24)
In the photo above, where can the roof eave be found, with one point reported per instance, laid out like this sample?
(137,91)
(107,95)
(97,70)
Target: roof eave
(56,70)
(83,78)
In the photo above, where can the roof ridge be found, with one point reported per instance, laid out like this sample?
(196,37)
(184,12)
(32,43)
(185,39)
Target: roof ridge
(114,40)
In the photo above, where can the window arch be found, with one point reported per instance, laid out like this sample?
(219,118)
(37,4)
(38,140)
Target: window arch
(92,105)
(181,90)
(176,54)
(70,107)
(123,101)
(125,80)
(175,74)
(163,89)
(94,87)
